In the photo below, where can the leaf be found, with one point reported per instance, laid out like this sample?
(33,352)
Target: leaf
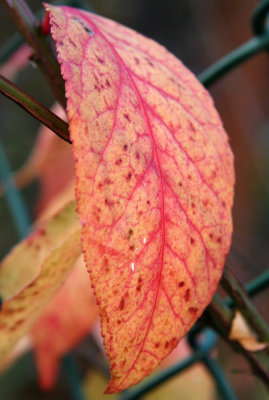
(51,162)
(67,319)
(154,187)
(241,332)
(32,273)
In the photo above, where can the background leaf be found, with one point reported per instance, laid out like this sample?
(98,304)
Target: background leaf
(32,273)
(65,321)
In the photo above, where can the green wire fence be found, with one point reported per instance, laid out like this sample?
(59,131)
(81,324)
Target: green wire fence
(201,349)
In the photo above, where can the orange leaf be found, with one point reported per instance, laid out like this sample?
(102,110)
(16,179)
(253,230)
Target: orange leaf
(65,321)
(154,187)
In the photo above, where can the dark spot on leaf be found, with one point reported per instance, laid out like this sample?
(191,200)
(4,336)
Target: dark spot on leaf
(128,177)
(138,288)
(122,303)
(118,162)
(166,345)
(100,60)
(191,127)
(148,202)
(96,87)
(180,184)
(106,263)
(89,31)
(132,247)
(84,26)
(126,116)
(157,344)
(73,43)
(137,155)
(187,295)
(180,284)
(99,185)
(130,233)
(107,83)
(55,23)
(219,239)
(149,62)
(125,147)
(211,235)
(16,324)
(192,240)
(174,342)
(137,61)
(119,321)
(140,280)
(223,203)
(108,202)
(193,310)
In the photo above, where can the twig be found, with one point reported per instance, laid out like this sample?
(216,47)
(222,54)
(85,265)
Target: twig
(220,323)
(244,304)
(34,108)
(29,28)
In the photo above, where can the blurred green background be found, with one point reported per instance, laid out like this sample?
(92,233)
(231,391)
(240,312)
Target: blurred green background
(199,33)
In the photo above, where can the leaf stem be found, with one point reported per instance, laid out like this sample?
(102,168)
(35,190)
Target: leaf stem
(29,28)
(34,108)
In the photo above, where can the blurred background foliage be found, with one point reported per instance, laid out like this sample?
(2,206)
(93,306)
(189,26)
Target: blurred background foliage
(199,33)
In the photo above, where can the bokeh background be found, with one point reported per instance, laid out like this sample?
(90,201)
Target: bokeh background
(199,33)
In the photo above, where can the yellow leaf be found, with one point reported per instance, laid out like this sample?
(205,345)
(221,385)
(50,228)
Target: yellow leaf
(32,273)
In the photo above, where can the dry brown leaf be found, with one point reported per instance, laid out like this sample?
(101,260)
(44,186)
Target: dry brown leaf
(241,332)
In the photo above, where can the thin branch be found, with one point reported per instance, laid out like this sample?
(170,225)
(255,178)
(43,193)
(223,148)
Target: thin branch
(244,304)
(29,28)
(34,108)
(221,324)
